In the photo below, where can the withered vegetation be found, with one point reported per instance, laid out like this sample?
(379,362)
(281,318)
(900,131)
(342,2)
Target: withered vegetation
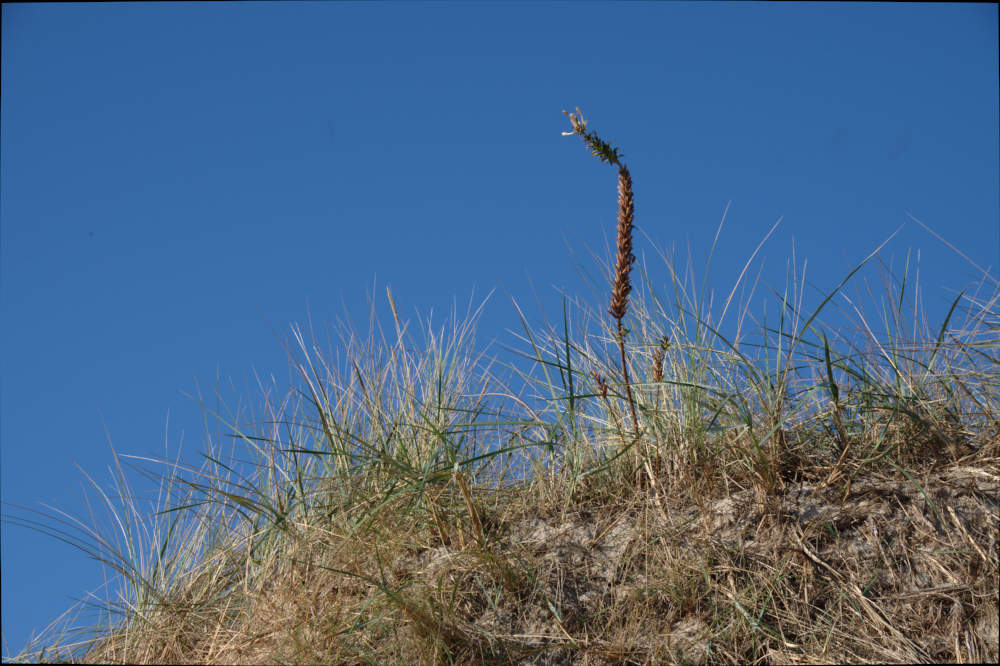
(671,493)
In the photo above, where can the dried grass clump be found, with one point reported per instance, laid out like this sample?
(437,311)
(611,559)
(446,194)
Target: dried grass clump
(806,497)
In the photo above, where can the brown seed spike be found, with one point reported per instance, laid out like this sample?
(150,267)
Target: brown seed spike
(626,213)
(601,384)
(658,356)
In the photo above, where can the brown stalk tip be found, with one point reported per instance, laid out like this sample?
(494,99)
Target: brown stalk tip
(626,214)
(601,385)
(658,359)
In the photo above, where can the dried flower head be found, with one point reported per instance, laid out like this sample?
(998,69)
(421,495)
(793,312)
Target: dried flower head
(658,359)
(626,214)
(602,386)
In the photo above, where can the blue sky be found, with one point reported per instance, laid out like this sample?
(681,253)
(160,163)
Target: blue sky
(181,180)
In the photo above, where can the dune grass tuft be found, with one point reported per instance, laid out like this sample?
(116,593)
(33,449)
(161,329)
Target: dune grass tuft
(790,492)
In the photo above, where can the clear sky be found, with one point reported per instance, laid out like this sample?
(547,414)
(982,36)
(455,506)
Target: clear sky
(178,179)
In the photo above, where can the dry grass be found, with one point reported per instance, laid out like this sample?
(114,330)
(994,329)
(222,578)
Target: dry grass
(787,495)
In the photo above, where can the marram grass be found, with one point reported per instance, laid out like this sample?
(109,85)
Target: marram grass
(676,491)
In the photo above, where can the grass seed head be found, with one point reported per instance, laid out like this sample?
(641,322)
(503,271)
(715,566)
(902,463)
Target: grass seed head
(658,356)
(626,213)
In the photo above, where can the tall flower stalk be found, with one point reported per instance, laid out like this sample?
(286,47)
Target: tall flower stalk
(626,214)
